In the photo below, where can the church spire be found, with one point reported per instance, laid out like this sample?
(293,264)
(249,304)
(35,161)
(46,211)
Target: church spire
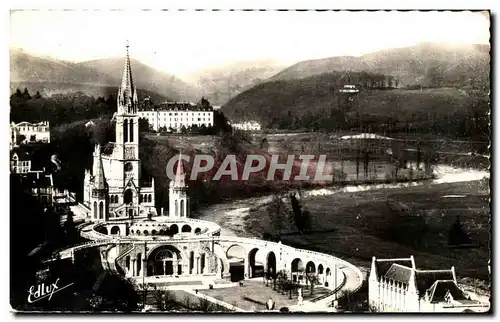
(179,173)
(99,179)
(127,95)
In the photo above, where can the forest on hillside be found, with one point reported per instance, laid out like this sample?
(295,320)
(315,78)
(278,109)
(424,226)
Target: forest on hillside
(58,108)
(315,103)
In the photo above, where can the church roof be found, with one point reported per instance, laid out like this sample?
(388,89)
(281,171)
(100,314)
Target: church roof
(399,273)
(383,265)
(23,153)
(425,279)
(108,148)
(440,288)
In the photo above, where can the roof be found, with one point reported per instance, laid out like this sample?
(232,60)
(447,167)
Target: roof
(425,279)
(108,148)
(23,153)
(439,290)
(176,106)
(383,265)
(399,273)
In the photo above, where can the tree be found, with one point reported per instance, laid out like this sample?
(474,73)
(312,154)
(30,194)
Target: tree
(37,95)
(26,95)
(313,279)
(457,235)
(277,213)
(143,125)
(165,300)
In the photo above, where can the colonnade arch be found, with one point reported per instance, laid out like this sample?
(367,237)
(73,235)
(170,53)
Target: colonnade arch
(164,260)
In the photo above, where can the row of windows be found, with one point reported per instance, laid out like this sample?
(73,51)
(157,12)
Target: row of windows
(175,113)
(142,198)
(33,129)
(180,119)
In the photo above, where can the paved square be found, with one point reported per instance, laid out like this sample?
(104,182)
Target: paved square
(257,292)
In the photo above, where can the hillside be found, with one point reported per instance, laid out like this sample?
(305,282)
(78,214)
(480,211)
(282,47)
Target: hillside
(426,64)
(314,103)
(221,83)
(145,77)
(99,77)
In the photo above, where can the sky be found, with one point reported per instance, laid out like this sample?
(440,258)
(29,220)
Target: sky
(183,42)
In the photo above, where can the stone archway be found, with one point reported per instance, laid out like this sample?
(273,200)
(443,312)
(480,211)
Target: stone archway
(297,270)
(115,230)
(164,260)
(236,256)
(310,267)
(186,229)
(254,269)
(197,230)
(271,264)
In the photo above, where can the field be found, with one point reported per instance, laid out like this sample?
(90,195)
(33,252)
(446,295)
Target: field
(354,226)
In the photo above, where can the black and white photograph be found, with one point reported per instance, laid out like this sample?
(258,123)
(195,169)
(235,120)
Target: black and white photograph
(250,161)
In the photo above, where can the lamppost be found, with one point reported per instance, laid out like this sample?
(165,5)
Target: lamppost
(144,260)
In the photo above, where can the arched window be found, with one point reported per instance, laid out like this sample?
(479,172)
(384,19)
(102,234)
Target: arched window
(95,209)
(176,212)
(125,131)
(182,208)
(131,126)
(116,199)
(127,196)
(141,198)
(149,198)
(101,210)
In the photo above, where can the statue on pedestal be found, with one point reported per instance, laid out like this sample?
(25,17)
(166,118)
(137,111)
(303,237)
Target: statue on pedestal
(300,298)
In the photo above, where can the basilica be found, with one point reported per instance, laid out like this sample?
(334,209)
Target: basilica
(148,246)
(113,189)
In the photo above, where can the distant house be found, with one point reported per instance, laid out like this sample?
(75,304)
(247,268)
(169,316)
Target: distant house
(396,285)
(26,133)
(20,160)
(247,126)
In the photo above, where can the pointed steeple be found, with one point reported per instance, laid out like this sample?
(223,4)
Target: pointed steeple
(99,179)
(127,95)
(180,176)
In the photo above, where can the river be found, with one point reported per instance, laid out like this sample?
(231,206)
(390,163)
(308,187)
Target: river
(231,215)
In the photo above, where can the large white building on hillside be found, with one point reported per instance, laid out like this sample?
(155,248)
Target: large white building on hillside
(172,116)
(396,285)
(26,132)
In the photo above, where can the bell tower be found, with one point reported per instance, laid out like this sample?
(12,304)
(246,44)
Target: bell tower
(127,125)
